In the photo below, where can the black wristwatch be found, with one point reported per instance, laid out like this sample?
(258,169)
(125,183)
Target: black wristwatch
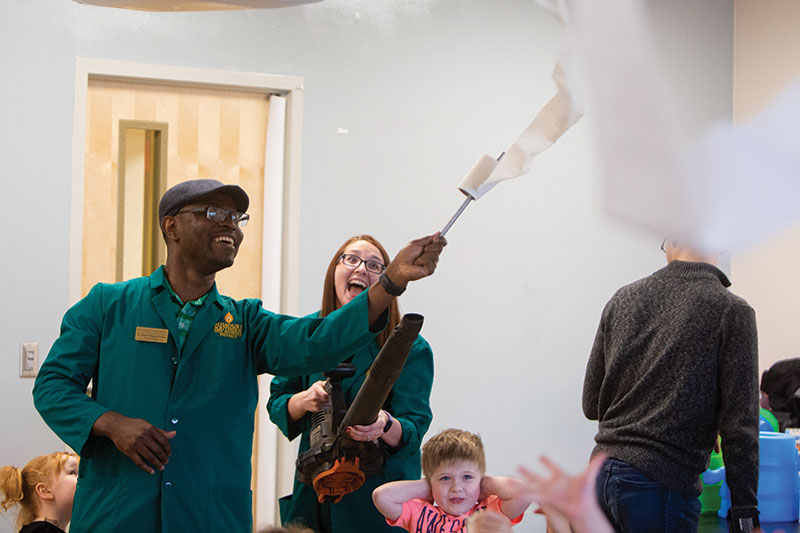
(389,286)
(389,423)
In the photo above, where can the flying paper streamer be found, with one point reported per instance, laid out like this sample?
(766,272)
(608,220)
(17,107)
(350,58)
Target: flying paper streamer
(727,190)
(555,118)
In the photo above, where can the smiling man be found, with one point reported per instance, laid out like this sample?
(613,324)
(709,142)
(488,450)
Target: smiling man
(166,437)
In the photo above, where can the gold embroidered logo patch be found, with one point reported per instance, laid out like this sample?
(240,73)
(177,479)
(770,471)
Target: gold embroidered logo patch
(227,329)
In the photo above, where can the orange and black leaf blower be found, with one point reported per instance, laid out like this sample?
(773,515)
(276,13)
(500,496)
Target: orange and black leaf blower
(335,464)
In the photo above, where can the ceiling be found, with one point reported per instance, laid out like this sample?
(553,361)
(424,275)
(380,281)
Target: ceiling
(194,5)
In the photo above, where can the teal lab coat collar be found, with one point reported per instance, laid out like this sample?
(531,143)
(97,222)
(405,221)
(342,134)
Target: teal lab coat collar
(162,301)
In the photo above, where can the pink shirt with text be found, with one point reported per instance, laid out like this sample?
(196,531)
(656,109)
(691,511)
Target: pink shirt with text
(420,516)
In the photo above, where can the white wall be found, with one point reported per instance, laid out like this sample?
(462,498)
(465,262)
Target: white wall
(424,88)
(764,275)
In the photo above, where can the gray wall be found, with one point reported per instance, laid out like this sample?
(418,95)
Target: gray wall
(424,88)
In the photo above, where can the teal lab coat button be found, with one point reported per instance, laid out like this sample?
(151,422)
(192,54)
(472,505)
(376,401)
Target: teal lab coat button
(174,420)
(168,485)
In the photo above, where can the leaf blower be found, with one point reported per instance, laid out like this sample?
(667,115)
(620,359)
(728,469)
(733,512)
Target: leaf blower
(335,464)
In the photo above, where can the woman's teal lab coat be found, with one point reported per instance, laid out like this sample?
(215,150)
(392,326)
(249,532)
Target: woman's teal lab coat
(408,403)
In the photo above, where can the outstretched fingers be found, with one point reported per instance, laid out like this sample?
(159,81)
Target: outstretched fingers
(595,465)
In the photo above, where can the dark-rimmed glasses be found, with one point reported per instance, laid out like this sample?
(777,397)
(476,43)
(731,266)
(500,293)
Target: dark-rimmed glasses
(217,214)
(353,261)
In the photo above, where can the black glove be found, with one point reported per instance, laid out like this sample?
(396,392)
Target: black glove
(743,519)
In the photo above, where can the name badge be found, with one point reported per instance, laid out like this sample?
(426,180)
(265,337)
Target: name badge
(151,334)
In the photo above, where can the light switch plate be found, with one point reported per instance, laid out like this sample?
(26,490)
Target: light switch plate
(28,359)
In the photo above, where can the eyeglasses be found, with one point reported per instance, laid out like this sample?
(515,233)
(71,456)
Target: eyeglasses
(217,214)
(663,243)
(353,261)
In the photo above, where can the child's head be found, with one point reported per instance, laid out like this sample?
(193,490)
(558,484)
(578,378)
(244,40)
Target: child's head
(46,481)
(453,461)
(452,445)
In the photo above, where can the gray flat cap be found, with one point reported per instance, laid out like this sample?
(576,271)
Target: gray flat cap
(188,191)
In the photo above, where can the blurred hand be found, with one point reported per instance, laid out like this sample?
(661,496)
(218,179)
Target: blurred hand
(487,521)
(573,497)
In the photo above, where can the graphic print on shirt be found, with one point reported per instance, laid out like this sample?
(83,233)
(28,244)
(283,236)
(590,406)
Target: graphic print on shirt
(433,520)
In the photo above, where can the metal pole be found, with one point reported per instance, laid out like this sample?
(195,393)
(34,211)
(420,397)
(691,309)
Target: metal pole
(458,213)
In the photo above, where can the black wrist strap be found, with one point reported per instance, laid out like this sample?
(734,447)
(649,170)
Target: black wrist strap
(743,520)
(388,422)
(389,286)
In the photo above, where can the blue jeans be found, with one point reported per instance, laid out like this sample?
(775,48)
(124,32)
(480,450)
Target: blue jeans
(634,503)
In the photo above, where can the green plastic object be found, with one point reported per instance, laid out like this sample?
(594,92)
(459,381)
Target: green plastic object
(769,417)
(709,498)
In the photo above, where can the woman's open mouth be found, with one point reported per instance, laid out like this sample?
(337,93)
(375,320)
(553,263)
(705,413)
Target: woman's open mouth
(356,287)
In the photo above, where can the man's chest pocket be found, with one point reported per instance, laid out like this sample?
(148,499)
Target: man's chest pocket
(223,367)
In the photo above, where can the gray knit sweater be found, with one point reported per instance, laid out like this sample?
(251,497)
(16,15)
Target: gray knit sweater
(675,361)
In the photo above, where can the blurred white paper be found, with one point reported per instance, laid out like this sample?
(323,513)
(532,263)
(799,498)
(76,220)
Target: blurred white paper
(726,190)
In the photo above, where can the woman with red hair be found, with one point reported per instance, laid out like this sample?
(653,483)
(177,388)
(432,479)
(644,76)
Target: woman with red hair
(401,424)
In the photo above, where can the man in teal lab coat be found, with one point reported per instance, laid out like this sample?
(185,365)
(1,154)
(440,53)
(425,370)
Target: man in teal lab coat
(166,438)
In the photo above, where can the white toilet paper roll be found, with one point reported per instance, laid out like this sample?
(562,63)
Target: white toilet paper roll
(474,184)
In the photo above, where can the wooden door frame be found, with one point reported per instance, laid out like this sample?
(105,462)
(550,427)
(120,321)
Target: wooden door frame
(282,298)
(291,87)
(155,251)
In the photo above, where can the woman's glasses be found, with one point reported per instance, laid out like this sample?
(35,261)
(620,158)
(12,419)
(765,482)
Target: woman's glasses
(353,261)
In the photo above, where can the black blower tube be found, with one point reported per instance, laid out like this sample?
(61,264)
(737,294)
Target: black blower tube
(384,372)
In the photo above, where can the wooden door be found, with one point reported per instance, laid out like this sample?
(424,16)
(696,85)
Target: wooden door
(212,133)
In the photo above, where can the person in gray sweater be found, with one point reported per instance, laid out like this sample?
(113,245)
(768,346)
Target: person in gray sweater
(674,363)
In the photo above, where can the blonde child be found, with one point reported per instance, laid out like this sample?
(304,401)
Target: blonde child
(43,490)
(454,487)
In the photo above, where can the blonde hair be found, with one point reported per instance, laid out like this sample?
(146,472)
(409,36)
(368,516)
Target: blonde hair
(452,445)
(19,486)
(329,302)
